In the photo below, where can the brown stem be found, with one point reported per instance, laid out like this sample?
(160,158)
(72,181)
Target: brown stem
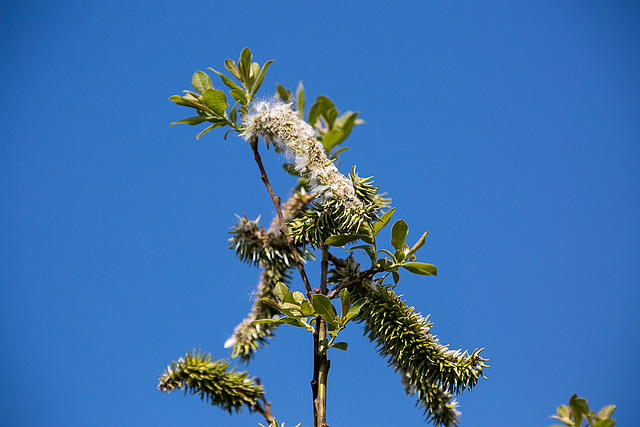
(320,374)
(358,279)
(324,267)
(265,410)
(283,225)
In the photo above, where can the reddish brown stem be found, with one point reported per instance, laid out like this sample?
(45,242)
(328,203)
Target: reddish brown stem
(283,224)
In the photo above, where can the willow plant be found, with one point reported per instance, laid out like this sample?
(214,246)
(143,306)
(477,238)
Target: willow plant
(326,213)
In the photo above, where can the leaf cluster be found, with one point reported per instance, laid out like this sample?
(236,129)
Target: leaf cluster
(213,382)
(211,104)
(297,310)
(578,411)
(383,260)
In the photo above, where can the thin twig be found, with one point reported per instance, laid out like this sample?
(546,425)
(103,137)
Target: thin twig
(283,225)
(265,410)
(324,267)
(358,279)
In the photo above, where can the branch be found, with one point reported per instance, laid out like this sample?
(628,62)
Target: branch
(283,224)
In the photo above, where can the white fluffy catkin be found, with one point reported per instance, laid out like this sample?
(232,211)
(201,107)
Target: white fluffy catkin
(279,124)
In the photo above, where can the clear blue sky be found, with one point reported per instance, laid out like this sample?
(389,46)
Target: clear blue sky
(509,130)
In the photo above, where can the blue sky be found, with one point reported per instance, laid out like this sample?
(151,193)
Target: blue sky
(510,131)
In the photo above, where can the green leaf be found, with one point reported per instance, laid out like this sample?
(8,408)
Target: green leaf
(421,268)
(283,93)
(258,82)
(294,322)
(384,220)
(332,138)
(396,277)
(322,305)
(349,123)
(300,100)
(226,80)
(298,297)
(315,110)
(606,412)
(399,233)
(338,151)
(280,290)
(341,240)
(418,245)
(191,120)
(368,249)
(330,115)
(216,100)
(306,309)
(288,297)
(354,310)
(205,131)
(345,302)
(384,264)
(230,65)
(356,306)
(564,411)
(239,96)
(244,65)
(340,346)
(201,81)
(271,303)
(605,423)
(233,114)
(181,101)
(270,321)
(580,408)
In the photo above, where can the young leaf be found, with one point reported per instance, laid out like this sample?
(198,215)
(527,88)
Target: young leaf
(345,302)
(399,233)
(300,100)
(190,120)
(332,138)
(280,290)
(283,93)
(298,297)
(216,100)
(181,101)
(239,96)
(226,80)
(207,129)
(342,240)
(258,82)
(606,412)
(269,321)
(418,245)
(322,305)
(294,322)
(244,65)
(340,346)
(306,309)
(230,65)
(421,268)
(201,81)
(271,303)
(384,220)
(315,110)
(396,277)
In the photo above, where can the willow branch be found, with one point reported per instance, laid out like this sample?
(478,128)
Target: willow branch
(283,225)
(369,273)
